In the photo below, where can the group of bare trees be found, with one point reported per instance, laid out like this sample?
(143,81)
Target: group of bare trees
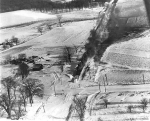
(143,105)
(16,60)
(10,42)
(78,107)
(33,87)
(48,26)
(16,93)
(8,99)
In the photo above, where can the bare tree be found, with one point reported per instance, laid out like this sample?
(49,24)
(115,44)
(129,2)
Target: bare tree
(84,70)
(79,106)
(54,88)
(57,78)
(10,101)
(40,30)
(101,72)
(144,103)
(49,26)
(23,70)
(4,45)
(18,108)
(33,87)
(15,40)
(7,100)
(67,55)
(23,96)
(106,102)
(9,42)
(129,108)
(6,104)
(76,48)
(59,17)
(7,60)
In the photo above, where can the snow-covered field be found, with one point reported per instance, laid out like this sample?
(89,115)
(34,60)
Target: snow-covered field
(28,31)
(22,16)
(76,33)
(26,16)
(134,53)
(117,109)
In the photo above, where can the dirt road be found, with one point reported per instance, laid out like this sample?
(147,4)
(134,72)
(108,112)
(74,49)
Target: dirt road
(114,88)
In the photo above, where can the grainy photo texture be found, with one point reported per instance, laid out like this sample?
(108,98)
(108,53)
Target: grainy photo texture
(75,60)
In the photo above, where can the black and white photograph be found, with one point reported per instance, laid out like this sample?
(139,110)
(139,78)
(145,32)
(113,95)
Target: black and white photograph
(74,60)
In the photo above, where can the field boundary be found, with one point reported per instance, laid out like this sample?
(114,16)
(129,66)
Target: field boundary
(33,22)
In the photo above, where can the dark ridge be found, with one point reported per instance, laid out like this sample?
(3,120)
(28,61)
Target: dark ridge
(46,5)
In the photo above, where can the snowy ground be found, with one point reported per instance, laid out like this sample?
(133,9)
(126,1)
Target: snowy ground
(134,53)
(56,108)
(75,33)
(22,16)
(28,30)
(117,109)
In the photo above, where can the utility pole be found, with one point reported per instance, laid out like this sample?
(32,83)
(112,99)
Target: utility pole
(147,6)
(99,85)
(104,83)
(54,89)
(143,79)
(106,79)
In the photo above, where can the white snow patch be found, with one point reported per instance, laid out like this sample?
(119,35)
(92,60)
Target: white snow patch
(22,16)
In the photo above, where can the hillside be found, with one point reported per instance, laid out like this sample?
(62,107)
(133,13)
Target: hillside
(22,16)
(112,88)
(134,53)
(71,34)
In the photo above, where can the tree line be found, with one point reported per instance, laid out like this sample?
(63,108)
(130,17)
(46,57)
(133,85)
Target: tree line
(43,5)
